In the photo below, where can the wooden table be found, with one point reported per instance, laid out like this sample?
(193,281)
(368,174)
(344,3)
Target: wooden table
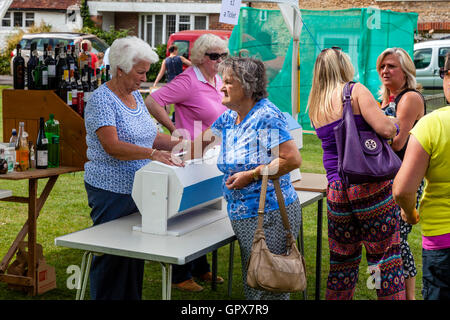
(35,204)
(314,182)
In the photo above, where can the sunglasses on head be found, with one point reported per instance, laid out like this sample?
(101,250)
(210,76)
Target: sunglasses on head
(216,56)
(443,72)
(334,48)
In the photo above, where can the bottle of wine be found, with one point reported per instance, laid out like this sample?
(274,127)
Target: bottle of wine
(37,73)
(93,79)
(85,83)
(41,147)
(19,69)
(74,87)
(107,76)
(50,63)
(31,65)
(32,155)
(61,65)
(85,56)
(99,77)
(70,60)
(80,92)
(64,88)
(103,76)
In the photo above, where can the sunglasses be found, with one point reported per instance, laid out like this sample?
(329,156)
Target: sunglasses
(334,48)
(443,72)
(215,56)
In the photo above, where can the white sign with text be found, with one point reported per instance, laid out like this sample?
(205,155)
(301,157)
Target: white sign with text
(229,12)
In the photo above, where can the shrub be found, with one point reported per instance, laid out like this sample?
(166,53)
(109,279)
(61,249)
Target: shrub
(154,68)
(107,36)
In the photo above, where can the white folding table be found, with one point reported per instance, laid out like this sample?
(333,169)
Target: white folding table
(118,238)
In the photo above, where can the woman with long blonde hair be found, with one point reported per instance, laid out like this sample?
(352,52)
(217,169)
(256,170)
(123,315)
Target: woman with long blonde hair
(357,213)
(401,98)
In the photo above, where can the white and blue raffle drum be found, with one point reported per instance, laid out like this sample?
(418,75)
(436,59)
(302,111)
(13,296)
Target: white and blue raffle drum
(176,200)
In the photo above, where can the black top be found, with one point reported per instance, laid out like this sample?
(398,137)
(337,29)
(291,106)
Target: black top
(401,152)
(174,66)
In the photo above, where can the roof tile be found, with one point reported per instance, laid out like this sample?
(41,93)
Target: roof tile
(43,4)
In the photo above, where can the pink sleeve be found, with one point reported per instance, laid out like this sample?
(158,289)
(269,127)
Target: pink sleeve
(176,91)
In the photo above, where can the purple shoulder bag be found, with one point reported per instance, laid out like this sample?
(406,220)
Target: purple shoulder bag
(363,156)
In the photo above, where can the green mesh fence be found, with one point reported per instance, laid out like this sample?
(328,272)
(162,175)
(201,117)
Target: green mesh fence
(363,33)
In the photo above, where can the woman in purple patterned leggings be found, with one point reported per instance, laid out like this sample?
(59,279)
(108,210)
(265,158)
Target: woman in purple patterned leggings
(358,214)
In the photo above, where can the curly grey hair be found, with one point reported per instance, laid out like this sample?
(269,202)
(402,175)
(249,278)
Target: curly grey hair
(250,72)
(126,52)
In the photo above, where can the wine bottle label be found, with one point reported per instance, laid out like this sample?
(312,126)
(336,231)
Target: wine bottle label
(51,70)
(69,98)
(42,158)
(44,78)
(44,141)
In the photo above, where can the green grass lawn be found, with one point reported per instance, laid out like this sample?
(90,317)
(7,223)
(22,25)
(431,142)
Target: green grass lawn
(66,211)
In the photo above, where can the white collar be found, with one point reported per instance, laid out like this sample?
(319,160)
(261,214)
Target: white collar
(200,76)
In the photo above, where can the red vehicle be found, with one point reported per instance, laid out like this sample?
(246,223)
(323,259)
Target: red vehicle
(184,40)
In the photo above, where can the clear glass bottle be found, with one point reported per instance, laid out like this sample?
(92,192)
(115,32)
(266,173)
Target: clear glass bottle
(22,150)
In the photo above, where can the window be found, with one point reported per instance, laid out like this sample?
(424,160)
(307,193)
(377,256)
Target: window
(184,23)
(6,22)
(29,19)
(157,28)
(200,23)
(183,47)
(442,54)
(422,58)
(18,19)
(171,23)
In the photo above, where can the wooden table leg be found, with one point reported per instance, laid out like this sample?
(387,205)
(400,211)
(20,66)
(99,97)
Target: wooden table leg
(32,216)
(35,205)
(319,247)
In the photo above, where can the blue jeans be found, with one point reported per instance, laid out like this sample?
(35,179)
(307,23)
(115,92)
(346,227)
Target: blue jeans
(436,274)
(113,277)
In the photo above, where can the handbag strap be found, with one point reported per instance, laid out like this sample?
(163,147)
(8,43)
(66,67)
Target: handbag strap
(280,199)
(347,98)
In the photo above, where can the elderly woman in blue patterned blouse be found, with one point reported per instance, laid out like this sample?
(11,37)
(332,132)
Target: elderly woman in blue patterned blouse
(121,138)
(254,133)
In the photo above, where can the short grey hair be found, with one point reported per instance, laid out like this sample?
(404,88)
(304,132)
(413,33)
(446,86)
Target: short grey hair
(126,52)
(250,72)
(205,43)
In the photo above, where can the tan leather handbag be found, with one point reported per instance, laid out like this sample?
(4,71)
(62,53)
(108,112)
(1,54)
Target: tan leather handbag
(273,272)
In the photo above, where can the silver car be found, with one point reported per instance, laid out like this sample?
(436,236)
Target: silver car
(54,38)
(429,58)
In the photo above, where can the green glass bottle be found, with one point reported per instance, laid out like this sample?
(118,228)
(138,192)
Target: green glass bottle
(52,132)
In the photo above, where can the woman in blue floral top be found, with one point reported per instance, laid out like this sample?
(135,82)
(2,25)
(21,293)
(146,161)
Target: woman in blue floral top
(121,138)
(254,133)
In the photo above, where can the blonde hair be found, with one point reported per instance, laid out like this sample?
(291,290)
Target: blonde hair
(332,70)
(408,68)
(205,43)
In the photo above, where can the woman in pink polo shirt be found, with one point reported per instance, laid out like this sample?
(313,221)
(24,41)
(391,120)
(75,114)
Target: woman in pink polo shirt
(198,103)
(195,93)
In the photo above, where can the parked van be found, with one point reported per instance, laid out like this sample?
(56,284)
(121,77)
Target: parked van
(184,40)
(429,57)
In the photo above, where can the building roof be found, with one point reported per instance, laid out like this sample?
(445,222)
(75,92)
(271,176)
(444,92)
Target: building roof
(43,4)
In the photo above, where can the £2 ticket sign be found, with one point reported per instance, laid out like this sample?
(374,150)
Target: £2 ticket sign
(229,12)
